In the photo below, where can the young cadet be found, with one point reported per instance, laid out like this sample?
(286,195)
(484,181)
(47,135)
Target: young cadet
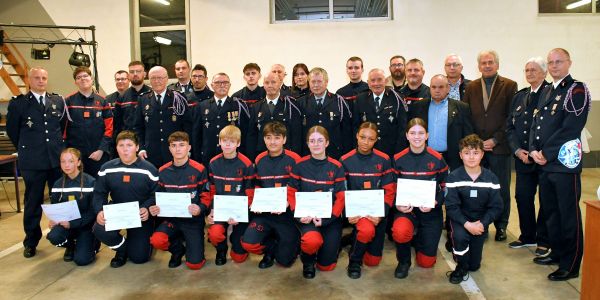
(252,92)
(75,236)
(274,108)
(300,87)
(472,203)
(231,173)
(274,234)
(354,69)
(317,172)
(368,168)
(126,179)
(418,227)
(89,127)
(182,175)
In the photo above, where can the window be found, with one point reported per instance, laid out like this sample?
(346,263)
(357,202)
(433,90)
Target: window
(310,10)
(568,6)
(161,32)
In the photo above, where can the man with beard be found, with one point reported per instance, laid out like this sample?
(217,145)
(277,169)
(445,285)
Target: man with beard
(200,90)
(124,111)
(397,79)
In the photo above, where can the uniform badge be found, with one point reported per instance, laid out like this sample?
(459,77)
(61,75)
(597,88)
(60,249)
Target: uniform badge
(71,198)
(519,108)
(126,178)
(259,114)
(146,118)
(86,114)
(238,188)
(206,124)
(227,188)
(29,123)
(557,98)
(228,116)
(391,118)
(331,115)
(364,118)
(174,118)
(570,154)
(147,107)
(53,106)
(98,114)
(258,126)
(206,111)
(367,185)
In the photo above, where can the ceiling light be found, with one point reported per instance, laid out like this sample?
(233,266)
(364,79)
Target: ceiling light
(163,2)
(162,40)
(578,4)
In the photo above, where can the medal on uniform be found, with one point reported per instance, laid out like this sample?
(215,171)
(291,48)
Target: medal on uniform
(174,118)
(519,108)
(29,123)
(557,98)
(535,111)
(258,126)
(206,124)
(553,109)
(228,116)
(53,106)
(235,115)
(259,114)
(206,111)
(391,118)
(331,116)
(146,118)
(147,107)
(364,118)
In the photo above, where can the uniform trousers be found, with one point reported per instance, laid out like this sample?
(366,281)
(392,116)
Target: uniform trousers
(81,239)
(171,234)
(532,231)
(274,235)
(217,235)
(137,244)
(35,184)
(320,245)
(367,242)
(467,248)
(420,230)
(499,164)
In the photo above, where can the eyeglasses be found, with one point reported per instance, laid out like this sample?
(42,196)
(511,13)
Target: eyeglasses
(157,78)
(82,76)
(198,76)
(221,83)
(453,65)
(397,65)
(121,79)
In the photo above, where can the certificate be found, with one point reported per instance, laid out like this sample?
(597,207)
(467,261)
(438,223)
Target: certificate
(122,216)
(313,204)
(365,203)
(64,211)
(234,207)
(173,204)
(270,200)
(416,193)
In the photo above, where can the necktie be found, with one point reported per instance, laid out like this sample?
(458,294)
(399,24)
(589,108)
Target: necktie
(42,102)
(377,104)
(319,103)
(271,106)
(158,99)
(219,103)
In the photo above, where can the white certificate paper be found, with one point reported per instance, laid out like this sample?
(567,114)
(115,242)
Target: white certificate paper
(365,203)
(416,193)
(313,204)
(234,207)
(270,199)
(122,216)
(173,204)
(64,211)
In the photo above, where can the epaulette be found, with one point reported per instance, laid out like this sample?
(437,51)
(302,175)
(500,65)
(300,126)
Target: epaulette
(523,90)
(145,93)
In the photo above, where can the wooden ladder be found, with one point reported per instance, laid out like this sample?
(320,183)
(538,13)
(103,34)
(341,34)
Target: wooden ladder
(14,70)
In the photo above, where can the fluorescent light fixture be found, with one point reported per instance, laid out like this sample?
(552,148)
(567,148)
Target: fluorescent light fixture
(163,2)
(578,4)
(162,40)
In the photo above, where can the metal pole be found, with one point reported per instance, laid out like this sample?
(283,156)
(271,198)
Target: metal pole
(93,28)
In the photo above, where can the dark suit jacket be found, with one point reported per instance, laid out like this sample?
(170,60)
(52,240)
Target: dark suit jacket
(491,123)
(459,125)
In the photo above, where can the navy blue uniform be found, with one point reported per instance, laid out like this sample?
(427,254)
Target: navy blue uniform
(230,177)
(287,112)
(182,88)
(89,128)
(79,234)
(36,133)
(367,172)
(335,116)
(411,96)
(319,244)
(517,135)
(250,97)
(471,200)
(351,90)
(297,93)
(124,111)
(155,122)
(391,119)
(421,229)
(170,234)
(275,235)
(126,183)
(111,99)
(558,121)
(195,97)
(209,119)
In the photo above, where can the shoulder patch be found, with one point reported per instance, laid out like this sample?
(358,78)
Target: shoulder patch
(165,166)
(216,157)
(196,165)
(260,156)
(334,161)
(304,158)
(293,155)
(245,159)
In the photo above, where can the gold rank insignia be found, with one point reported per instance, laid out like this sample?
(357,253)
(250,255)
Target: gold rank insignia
(519,108)
(535,111)
(174,118)
(71,197)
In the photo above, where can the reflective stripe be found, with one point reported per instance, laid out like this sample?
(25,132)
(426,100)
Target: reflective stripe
(473,184)
(128,170)
(461,253)
(72,189)
(119,245)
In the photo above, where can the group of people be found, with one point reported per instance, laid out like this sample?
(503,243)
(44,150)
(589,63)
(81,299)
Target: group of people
(188,138)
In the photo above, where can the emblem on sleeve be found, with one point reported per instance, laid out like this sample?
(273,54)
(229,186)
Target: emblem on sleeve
(570,153)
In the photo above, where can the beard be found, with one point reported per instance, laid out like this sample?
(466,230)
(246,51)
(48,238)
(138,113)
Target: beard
(398,75)
(137,81)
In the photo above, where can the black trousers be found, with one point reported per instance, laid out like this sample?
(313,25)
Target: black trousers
(499,164)
(137,244)
(327,254)
(82,239)
(371,252)
(277,235)
(179,231)
(532,231)
(35,183)
(91,166)
(467,248)
(560,194)
(427,233)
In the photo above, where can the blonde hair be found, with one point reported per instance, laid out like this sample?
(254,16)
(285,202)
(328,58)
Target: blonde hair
(77,154)
(318,129)
(230,132)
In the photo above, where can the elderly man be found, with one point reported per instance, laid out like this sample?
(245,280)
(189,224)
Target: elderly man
(560,116)
(210,116)
(182,71)
(489,98)
(453,67)
(518,127)
(200,90)
(124,111)
(414,90)
(160,113)
(279,70)
(397,78)
(122,84)
(385,108)
(354,69)
(33,124)
(274,108)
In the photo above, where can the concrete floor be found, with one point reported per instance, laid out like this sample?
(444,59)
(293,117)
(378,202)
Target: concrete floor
(505,273)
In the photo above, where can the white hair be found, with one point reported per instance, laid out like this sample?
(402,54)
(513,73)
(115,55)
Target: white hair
(541,62)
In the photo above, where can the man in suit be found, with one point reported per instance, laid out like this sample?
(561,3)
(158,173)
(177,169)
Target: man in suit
(33,124)
(448,120)
(489,98)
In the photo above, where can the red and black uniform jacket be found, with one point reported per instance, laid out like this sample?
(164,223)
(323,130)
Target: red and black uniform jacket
(90,127)
(67,189)
(427,165)
(410,96)
(191,178)
(231,177)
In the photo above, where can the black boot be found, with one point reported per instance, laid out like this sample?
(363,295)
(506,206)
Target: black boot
(458,275)
(221,258)
(266,262)
(354,270)
(401,270)
(308,270)
(119,260)
(175,260)
(69,253)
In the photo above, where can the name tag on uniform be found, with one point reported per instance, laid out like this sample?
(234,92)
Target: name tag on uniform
(86,114)
(473,193)
(126,178)
(227,188)
(367,185)
(71,197)
(277,184)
